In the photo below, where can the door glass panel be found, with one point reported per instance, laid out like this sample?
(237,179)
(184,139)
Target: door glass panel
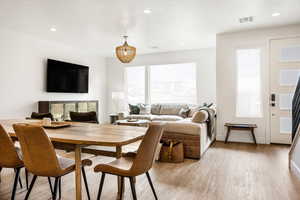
(290,54)
(285,101)
(286,125)
(289,77)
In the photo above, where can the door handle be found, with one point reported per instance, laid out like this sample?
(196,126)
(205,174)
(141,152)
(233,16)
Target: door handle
(273,100)
(273,97)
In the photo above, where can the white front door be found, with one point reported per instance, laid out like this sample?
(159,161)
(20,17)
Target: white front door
(284,74)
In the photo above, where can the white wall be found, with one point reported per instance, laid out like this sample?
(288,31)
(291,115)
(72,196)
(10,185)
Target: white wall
(206,70)
(227,43)
(23,74)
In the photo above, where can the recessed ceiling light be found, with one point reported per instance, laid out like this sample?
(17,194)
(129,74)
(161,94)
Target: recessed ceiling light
(53,29)
(275,14)
(182,43)
(147,11)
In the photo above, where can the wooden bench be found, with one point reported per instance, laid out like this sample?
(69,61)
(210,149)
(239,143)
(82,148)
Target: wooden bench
(241,127)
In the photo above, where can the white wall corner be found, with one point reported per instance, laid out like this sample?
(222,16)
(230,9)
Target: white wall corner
(295,169)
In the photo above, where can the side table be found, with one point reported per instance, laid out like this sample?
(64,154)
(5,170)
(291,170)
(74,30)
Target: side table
(241,127)
(113,118)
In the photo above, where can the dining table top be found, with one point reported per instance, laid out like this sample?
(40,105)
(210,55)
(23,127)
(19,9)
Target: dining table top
(86,133)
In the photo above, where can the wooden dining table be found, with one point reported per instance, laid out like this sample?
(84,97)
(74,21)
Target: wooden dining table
(82,135)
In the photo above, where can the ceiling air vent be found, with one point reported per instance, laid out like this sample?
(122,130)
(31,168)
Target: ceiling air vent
(246,19)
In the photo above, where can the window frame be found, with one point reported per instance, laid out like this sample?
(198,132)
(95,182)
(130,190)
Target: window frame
(260,78)
(147,83)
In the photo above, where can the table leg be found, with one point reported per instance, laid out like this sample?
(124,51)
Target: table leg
(120,182)
(253,135)
(227,135)
(78,172)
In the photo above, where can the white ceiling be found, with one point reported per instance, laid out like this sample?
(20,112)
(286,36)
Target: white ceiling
(97,25)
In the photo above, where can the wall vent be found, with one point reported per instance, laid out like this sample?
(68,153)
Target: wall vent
(246,19)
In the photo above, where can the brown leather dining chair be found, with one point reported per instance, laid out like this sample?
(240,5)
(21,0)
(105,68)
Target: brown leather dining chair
(134,164)
(40,158)
(10,158)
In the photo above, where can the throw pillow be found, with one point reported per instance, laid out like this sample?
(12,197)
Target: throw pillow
(134,109)
(84,116)
(145,109)
(200,116)
(36,115)
(184,112)
(193,110)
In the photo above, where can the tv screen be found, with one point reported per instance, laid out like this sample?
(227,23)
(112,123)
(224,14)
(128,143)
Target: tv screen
(67,77)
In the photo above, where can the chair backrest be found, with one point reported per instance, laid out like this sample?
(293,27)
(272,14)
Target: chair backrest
(39,156)
(146,152)
(9,157)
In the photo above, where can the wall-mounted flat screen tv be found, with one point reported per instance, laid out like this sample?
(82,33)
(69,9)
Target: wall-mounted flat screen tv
(66,77)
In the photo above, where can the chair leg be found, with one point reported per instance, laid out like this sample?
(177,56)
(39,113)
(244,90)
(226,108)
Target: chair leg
(50,184)
(30,187)
(56,185)
(85,183)
(20,181)
(151,184)
(59,194)
(26,178)
(122,187)
(132,185)
(101,186)
(17,176)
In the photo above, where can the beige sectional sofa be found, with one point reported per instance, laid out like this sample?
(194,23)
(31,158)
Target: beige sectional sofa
(194,136)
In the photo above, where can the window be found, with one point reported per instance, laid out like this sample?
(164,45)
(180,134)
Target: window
(248,83)
(135,79)
(174,83)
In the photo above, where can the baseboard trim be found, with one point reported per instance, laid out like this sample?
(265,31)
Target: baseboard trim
(295,169)
(260,140)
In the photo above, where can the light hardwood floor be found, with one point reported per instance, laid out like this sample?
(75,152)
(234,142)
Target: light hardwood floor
(230,171)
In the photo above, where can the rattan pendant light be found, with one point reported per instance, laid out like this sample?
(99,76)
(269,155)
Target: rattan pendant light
(125,53)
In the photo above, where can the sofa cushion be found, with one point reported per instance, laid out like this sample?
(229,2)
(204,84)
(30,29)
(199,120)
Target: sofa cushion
(143,117)
(155,109)
(145,109)
(200,116)
(165,118)
(171,109)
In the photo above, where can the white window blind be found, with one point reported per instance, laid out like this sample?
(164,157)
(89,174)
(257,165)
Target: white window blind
(135,84)
(249,103)
(174,83)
